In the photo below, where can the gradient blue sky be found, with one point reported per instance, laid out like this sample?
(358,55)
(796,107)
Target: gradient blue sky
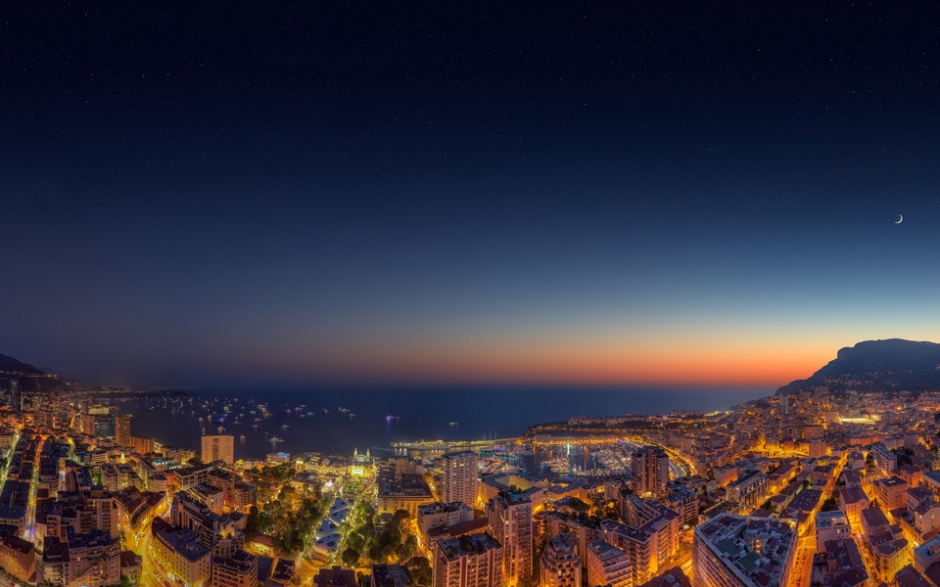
(454,194)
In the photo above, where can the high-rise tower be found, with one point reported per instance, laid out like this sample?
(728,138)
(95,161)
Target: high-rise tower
(460,477)
(509,516)
(16,396)
(650,468)
(122,430)
(219,447)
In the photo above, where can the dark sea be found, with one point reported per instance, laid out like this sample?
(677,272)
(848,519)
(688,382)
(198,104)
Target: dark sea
(340,421)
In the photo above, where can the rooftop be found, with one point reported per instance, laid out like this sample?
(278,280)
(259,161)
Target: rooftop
(454,548)
(730,537)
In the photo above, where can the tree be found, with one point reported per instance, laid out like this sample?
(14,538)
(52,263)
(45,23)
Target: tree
(408,547)
(420,569)
(355,540)
(350,557)
(252,521)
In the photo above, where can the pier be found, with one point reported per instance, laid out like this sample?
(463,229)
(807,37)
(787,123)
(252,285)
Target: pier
(442,446)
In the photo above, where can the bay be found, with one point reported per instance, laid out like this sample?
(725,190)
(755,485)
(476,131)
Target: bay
(341,420)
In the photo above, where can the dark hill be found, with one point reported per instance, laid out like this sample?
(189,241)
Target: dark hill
(32,380)
(9,364)
(878,365)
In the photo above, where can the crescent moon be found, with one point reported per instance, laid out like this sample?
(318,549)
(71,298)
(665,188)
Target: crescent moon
(900,219)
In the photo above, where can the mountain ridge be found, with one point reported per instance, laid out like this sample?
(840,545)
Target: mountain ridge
(32,379)
(893,364)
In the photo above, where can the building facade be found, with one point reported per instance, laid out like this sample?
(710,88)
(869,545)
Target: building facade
(474,560)
(743,551)
(460,477)
(608,565)
(509,517)
(218,447)
(560,565)
(238,570)
(650,469)
(122,430)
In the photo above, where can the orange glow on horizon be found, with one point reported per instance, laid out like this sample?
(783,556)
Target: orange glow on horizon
(659,363)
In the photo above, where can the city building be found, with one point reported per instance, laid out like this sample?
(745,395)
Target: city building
(831,526)
(474,560)
(650,470)
(890,553)
(17,557)
(179,551)
(584,531)
(335,577)
(684,501)
(460,477)
(650,537)
(853,501)
(874,522)
(673,577)
(390,576)
(608,565)
(219,533)
(817,448)
(122,429)
(238,570)
(16,396)
(130,566)
(741,551)
(843,565)
(891,493)
(441,515)
(211,497)
(885,459)
(910,577)
(402,491)
(92,559)
(927,558)
(560,565)
(748,490)
(189,476)
(218,447)
(509,516)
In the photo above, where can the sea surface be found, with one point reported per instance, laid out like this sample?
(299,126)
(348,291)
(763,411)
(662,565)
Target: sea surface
(341,421)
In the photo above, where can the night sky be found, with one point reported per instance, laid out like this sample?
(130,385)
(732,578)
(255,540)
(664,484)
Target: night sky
(493,192)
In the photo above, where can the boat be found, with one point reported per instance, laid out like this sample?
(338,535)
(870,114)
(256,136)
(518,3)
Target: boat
(452,424)
(390,418)
(285,426)
(243,438)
